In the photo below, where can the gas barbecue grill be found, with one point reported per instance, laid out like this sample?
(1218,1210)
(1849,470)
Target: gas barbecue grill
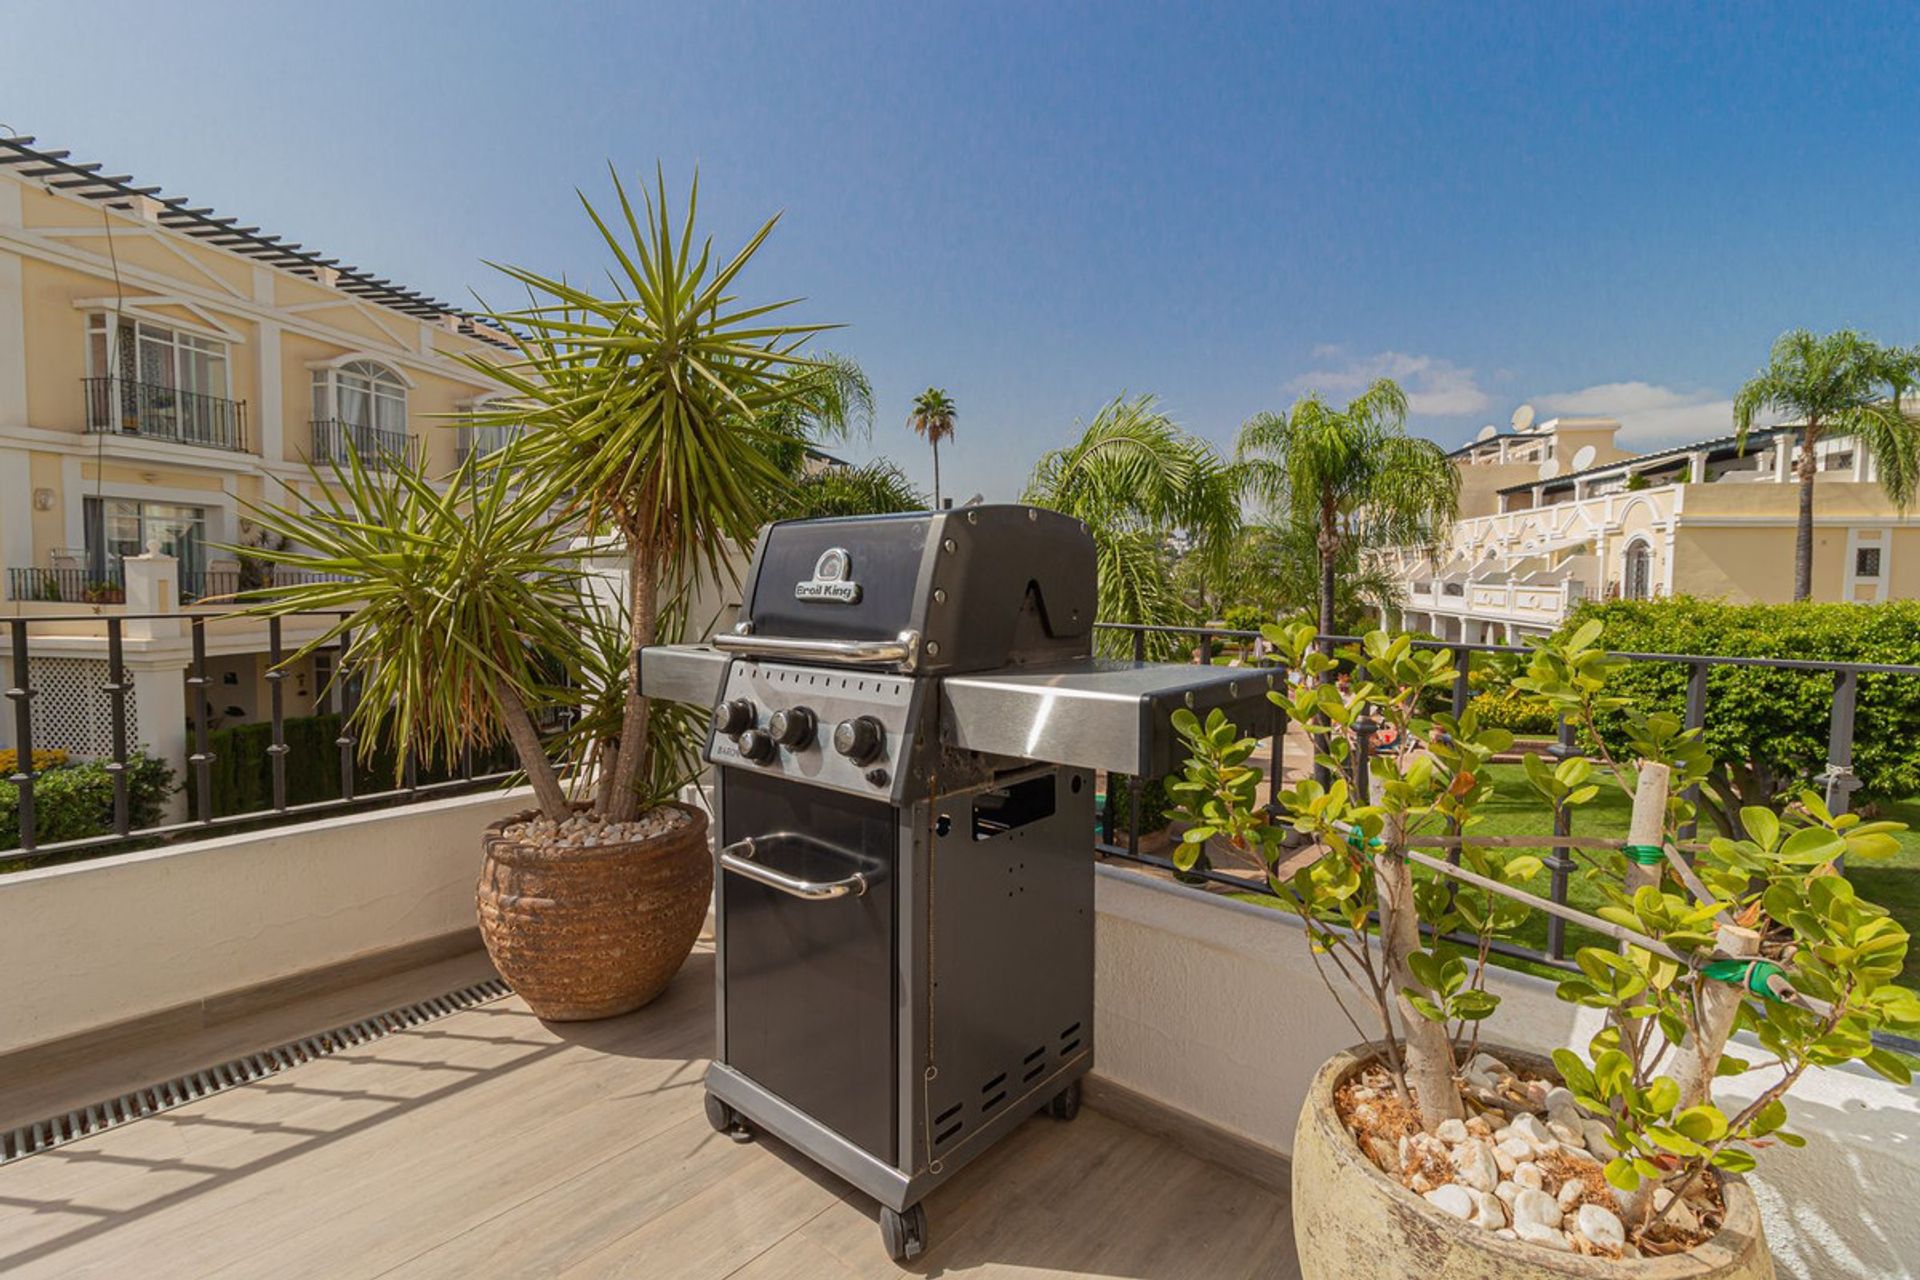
(907,721)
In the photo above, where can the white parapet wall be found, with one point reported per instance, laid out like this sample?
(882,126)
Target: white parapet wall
(91,944)
(1214,1007)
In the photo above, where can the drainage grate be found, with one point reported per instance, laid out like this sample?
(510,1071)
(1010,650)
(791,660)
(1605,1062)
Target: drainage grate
(44,1135)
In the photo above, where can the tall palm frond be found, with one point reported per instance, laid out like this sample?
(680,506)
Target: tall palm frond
(932,420)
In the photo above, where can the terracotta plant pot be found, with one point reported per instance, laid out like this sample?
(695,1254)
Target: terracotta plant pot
(591,933)
(1350,1219)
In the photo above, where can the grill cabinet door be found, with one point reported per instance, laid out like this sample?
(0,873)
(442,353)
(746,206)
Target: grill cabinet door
(809,983)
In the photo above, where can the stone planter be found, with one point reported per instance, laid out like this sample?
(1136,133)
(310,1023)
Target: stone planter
(591,933)
(1350,1219)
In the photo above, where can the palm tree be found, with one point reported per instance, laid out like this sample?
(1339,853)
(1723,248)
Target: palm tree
(1353,476)
(932,420)
(1138,482)
(874,488)
(1843,384)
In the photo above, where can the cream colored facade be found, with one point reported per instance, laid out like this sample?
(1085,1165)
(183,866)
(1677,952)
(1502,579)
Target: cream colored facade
(157,372)
(1559,514)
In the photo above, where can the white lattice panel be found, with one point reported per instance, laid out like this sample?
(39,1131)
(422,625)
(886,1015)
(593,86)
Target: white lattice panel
(71,709)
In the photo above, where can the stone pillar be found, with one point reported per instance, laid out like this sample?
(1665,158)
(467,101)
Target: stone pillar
(157,657)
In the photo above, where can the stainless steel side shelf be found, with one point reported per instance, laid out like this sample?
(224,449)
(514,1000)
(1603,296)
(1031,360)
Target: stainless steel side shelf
(1098,713)
(682,672)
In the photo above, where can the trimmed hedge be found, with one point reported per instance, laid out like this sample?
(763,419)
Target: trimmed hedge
(1154,803)
(1768,728)
(75,801)
(242,770)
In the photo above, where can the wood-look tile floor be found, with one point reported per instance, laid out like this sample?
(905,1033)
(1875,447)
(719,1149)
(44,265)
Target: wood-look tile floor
(491,1144)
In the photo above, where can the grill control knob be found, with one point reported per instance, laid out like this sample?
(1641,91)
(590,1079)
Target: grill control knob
(859,739)
(758,747)
(734,718)
(792,727)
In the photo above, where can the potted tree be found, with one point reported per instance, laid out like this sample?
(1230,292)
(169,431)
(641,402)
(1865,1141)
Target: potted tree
(1425,1150)
(653,418)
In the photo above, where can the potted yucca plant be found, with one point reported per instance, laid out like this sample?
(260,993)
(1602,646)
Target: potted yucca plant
(1427,1150)
(652,418)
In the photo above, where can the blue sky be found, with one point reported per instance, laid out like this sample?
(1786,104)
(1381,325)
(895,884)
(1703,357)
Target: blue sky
(1592,208)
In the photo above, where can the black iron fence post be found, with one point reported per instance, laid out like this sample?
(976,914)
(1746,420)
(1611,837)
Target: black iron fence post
(1841,784)
(276,702)
(1696,719)
(201,761)
(21,695)
(117,688)
(1560,857)
(344,676)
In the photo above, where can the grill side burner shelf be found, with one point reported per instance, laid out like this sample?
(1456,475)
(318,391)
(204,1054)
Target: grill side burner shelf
(907,721)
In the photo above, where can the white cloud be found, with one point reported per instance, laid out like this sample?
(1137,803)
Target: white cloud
(1435,387)
(1650,415)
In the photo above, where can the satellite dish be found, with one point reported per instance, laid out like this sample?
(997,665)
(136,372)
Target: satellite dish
(1488,432)
(1523,417)
(1583,458)
(1550,468)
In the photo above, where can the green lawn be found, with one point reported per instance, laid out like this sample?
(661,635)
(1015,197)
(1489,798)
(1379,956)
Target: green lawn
(1515,809)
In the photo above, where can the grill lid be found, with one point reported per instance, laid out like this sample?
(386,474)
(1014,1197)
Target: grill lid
(978,587)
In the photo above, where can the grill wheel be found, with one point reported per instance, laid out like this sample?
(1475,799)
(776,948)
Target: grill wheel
(905,1234)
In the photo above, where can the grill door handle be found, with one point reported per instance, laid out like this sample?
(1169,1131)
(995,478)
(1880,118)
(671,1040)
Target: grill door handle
(738,858)
(905,648)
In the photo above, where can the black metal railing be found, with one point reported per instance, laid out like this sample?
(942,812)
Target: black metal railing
(377,447)
(1118,839)
(67,586)
(469,771)
(109,586)
(121,406)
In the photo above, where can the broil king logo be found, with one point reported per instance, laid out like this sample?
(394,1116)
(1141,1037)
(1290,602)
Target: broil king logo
(832,579)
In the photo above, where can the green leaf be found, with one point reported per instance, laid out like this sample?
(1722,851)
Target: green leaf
(1890,1065)
(1621,1173)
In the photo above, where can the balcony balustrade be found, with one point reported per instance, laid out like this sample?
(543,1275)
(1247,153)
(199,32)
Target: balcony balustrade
(334,439)
(123,407)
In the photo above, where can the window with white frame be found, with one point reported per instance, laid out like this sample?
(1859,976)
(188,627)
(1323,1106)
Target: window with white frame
(157,355)
(361,393)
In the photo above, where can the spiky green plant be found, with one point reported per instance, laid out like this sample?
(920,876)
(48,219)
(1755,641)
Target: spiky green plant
(649,412)
(1836,384)
(450,604)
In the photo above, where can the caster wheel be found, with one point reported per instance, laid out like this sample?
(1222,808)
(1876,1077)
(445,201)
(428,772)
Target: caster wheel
(725,1119)
(1066,1103)
(905,1234)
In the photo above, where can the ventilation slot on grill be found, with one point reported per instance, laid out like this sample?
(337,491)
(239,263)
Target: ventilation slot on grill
(44,1135)
(995,1094)
(1070,1040)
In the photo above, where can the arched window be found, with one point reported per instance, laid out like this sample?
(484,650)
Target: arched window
(361,393)
(1637,572)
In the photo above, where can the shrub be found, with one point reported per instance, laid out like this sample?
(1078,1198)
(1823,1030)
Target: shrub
(75,801)
(1244,617)
(241,775)
(1155,804)
(43,760)
(1767,728)
(1513,711)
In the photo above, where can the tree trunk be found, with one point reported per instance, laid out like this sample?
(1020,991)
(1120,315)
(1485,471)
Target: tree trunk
(936,471)
(1803,534)
(1429,1054)
(643,597)
(547,792)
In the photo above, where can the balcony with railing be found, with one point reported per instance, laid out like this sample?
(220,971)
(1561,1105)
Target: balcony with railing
(345,1086)
(151,411)
(335,440)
